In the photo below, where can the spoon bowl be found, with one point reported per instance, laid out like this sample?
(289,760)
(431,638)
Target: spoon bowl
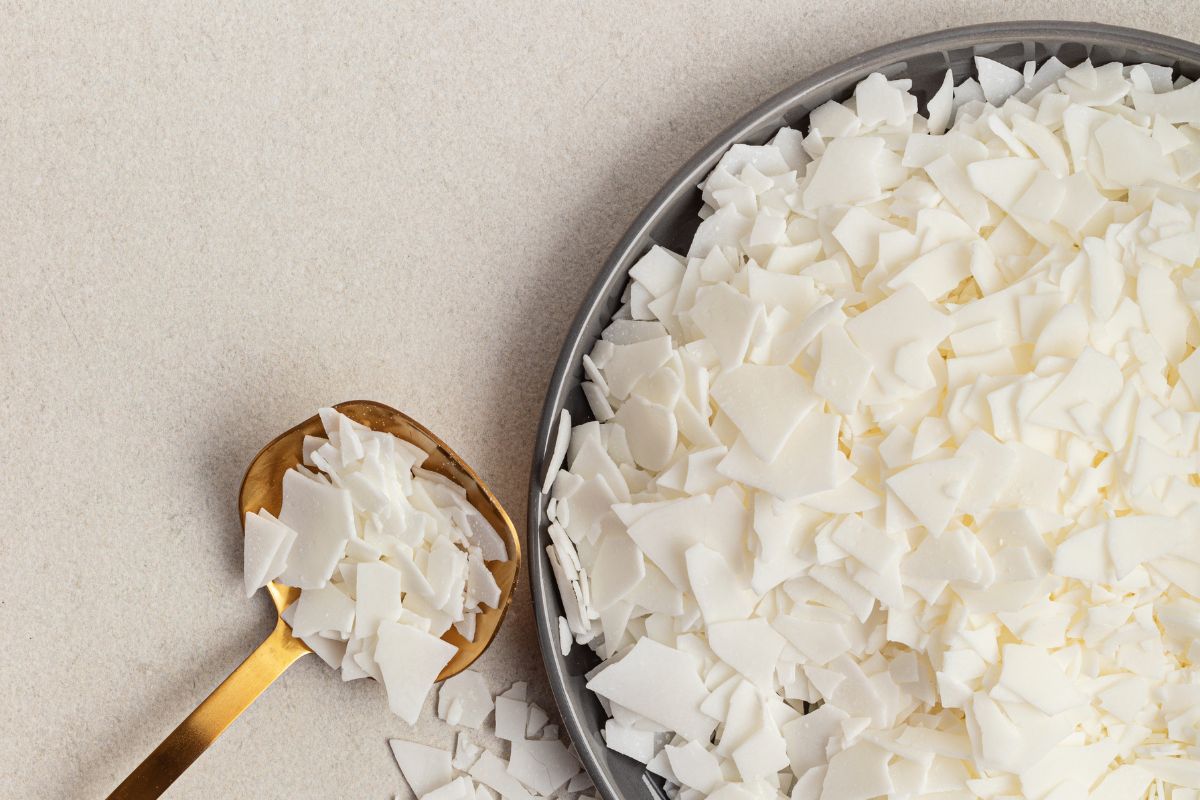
(262,487)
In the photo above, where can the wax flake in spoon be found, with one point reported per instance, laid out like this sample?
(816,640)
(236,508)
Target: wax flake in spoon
(891,488)
(387,556)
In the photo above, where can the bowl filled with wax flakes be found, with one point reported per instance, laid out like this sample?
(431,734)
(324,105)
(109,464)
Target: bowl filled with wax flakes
(869,468)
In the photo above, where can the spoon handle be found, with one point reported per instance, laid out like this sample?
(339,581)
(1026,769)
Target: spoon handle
(211,717)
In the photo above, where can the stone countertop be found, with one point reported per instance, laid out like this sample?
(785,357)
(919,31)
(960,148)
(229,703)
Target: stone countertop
(218,217)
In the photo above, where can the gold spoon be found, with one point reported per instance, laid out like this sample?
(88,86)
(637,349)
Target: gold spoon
(263,488)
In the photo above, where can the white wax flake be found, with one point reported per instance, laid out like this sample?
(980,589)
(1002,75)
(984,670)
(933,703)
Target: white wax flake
(728,319)
(491,772)
(857,773)
(868,545)
(721,592)
(696,767)
(572,597)
(846,173)
(859,234)
(518,691)
(1033,675)
(325,609)
(660,683)
(409,661)
(659,271)
(537,720)
(1084,556)
(323,519)
(763,753)
(457,789)
(666,532)
(424,768)
(941,105)
(617,569)
(1135,540)
(631,362)
(878,101)
(938,271)
(1126,782)
(483,536)
(766,403)
(930,469)
(842,375)
(388,556)
(543,766)
(904,319)
(931,490)
(481,584)
(632,742)
(998,81)
(267,546)
(561,438)
(469,689)
(331,651)
(446,572)
(1165,312)
(807,464)
(512,716)
(818,640)
(954,184)
(377,589)
(652,432)
(1065,334)
(1094,378)
(565,637)
(751,647)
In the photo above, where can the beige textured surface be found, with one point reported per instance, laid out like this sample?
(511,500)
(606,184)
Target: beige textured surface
(216,219)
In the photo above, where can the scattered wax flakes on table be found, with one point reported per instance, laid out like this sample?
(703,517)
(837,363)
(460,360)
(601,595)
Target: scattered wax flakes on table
(388,556)
(538,764)
(892,483)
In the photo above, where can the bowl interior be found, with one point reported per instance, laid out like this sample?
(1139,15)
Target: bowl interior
(670,220)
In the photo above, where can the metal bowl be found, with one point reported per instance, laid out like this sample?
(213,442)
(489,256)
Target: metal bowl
(671,219)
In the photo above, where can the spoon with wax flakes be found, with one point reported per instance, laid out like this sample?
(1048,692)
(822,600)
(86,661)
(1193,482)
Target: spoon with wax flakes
(262,491)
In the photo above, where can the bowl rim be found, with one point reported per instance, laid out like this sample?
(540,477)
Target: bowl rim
(767,116)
